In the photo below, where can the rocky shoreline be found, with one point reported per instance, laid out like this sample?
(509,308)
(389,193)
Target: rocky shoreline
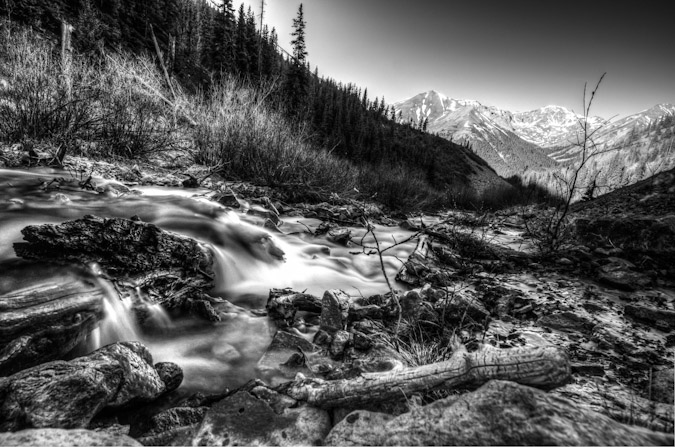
(595,324)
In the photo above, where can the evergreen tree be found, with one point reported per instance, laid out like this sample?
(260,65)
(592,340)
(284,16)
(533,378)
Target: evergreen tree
(297,77)
(222,47)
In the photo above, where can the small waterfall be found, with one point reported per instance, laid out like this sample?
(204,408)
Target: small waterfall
(119,322)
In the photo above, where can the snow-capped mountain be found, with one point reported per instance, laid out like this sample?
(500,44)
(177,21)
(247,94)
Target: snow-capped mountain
(537,140)
(489,130)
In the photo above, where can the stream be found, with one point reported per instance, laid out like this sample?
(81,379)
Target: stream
(213,356)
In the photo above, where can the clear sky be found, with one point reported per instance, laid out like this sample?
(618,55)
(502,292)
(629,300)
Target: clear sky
(514,54)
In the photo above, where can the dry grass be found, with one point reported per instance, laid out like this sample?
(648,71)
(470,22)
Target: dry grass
(114,104)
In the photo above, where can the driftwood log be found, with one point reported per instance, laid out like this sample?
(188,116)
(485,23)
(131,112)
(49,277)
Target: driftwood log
(170,269)
(46,320)
(545,367)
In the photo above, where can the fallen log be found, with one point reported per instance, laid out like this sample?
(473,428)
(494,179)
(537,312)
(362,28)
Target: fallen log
(46,320)
(171,269)
(546,367)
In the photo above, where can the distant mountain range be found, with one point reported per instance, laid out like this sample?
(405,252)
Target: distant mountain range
(535,143)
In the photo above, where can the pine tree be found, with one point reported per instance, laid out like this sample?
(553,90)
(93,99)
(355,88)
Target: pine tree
(297,77)
(223,38)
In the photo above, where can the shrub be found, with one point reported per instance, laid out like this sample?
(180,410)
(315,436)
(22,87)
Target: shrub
(116,102)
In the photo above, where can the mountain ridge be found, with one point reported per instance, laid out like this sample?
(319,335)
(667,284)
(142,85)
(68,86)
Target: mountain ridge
(539,139)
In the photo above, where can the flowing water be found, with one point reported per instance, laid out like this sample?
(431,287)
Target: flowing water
(213,356)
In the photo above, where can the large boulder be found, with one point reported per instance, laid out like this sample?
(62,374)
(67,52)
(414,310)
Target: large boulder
(60,436)
(62,394)
(498,413)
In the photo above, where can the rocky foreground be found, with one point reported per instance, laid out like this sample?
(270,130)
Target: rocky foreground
(490,342)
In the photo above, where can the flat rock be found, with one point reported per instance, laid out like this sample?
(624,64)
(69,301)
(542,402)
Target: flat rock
(63,437)
(566,322)
(498,413)
(277,359)
(242,419)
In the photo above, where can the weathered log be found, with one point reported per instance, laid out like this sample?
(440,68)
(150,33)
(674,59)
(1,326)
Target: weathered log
(545,367)
(171,269)
(46,320)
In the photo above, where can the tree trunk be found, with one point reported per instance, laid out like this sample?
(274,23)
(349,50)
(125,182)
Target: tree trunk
(46,320)
(546,367)
(170,269)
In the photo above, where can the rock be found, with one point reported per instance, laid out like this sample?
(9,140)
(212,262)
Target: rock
(662,388)
(564,261)
(169,426)
(340,236)
(611,336)
(358,428)
(636,235)
(498,413)
(334,310)
(59,436)
(63,394)
(242,419)
(171,374)
(228,199)
(461,306)
(339,343)
(566,322)
(670,340)
(622,278)
(282,305)
(284,346)
(588,369)
(659,318)
(410,305)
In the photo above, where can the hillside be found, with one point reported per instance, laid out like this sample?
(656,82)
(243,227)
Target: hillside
(402,166)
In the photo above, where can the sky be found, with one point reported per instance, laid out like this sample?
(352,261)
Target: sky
(517,55)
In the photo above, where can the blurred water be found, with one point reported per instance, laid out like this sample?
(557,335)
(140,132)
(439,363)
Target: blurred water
(248,264)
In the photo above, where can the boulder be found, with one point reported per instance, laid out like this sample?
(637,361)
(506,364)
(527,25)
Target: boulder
(498,413)
(62,394)
(334,310)
(60,436)
(242,419)
(171,374)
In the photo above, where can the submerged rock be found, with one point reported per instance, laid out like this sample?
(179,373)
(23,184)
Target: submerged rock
(498,413)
